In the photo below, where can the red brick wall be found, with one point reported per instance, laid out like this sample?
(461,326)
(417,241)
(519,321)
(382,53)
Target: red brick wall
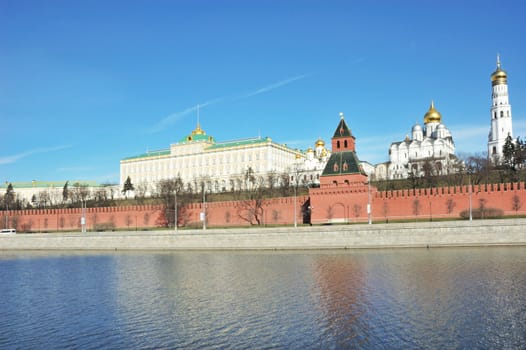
(338,203)
(342,203)
(49,220)
(276,211)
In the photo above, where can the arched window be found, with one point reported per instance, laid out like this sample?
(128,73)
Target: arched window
(345,143)
(337,144)
(494,115)
(501,114)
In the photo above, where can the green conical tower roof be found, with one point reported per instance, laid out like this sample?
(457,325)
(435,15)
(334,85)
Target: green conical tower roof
(342,130)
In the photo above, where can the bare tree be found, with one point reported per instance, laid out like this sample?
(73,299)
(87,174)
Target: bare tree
(272,177)
(43,198)
(416,206)
(482,206)
(450,205)
(167,191)
(141,190)
(357,208)
(80,193)
(276,215)
(146,219)
(128,221)
(330,212)
(250,209)
(477,165)
(516,203)
(385,210)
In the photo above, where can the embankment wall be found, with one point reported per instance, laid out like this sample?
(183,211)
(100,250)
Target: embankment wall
(431,234)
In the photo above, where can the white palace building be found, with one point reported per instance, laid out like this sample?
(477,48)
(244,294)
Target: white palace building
(222,166)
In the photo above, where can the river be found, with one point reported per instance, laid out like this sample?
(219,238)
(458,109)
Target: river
(454,298)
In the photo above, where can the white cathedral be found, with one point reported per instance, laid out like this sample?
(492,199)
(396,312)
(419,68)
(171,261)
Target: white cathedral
(431,144)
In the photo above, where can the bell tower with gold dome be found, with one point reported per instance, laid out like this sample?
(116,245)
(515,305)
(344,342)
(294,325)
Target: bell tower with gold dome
(501,125)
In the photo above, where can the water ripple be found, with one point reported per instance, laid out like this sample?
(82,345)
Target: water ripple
(372,299)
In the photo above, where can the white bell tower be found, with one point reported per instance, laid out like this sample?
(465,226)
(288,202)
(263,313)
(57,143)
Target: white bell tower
(501,125)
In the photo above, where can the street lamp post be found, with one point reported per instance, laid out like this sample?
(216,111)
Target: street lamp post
(175,209)
(203,213)
(470,205)
(369,201)
(83,217)
(6,213)
(6,206)
(295,204)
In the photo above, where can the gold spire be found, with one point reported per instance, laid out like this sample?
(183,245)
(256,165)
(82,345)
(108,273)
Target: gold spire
(432,115)
(499,76)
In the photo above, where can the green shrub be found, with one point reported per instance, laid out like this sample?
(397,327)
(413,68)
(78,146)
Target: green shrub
(486,213)
(104,226)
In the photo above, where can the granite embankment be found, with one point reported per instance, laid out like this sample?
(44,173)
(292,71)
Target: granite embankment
(429,234)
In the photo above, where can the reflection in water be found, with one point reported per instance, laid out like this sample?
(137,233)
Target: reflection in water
(450,298)
(342,288)
(369,299)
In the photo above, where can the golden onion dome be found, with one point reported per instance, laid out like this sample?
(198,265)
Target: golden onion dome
(309,150)
(198,130)
(499,76)
(432,115)
(320,143)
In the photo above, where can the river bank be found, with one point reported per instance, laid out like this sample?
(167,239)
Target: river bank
(430,234)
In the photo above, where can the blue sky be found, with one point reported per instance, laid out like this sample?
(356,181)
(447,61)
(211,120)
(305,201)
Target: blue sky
(84,84)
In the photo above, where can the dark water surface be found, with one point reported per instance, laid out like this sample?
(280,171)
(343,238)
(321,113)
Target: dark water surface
(448,298)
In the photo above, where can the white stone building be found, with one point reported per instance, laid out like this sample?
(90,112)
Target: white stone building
(38,194)
(501,125)
(221,166)
(310,165)
(431,144)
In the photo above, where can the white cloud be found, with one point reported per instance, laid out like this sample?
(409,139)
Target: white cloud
(174,117)
(74,169)
(16,157)
(274,86)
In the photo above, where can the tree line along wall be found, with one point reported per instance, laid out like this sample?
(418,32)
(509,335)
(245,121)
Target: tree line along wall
(331,204)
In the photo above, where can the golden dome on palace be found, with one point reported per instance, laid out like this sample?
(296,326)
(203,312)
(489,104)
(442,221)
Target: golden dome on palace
(198,131)
(320,143)
(432,115)
(499,76)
